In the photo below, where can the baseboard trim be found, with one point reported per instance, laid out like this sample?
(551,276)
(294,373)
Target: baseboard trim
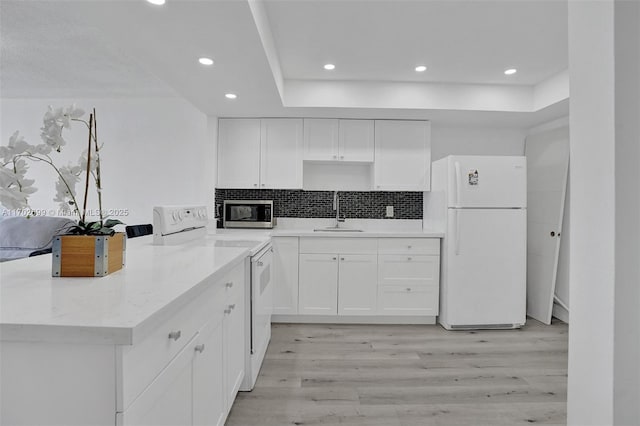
(561,313)
(339,319)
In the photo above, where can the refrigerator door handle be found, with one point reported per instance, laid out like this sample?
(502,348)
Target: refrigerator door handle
(456,227)
(458,182)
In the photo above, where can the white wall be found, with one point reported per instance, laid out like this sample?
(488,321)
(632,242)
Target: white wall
(155,152)
(626,379)
(604,337)
(475,141)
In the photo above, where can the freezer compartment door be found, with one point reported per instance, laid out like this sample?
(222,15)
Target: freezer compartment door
(487,182)
(486,267)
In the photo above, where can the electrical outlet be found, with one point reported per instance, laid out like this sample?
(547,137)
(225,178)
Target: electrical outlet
(389,211)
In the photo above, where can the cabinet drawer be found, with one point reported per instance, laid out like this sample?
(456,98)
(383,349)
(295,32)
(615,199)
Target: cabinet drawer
(408,300)
(396,269)
(338,245)
(427,246)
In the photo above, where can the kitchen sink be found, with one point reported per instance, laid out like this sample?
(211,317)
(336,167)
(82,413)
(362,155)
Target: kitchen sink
(333,229)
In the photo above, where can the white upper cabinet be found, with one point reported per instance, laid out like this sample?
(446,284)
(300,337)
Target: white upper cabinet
(328,139)
(321,139)
(356,140)
(238,153)
(281,153)
(260,153)
(402,155)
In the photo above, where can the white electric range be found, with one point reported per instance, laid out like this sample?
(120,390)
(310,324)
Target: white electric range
(174,225)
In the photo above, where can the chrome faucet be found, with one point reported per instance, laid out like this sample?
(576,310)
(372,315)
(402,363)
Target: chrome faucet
(336,207)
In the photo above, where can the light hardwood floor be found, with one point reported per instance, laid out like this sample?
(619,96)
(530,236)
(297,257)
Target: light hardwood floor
(406,375)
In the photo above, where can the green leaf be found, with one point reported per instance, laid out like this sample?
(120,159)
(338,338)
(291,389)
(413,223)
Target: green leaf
(93,225)
(110,223)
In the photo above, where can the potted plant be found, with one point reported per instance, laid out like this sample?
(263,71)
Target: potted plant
(91,248)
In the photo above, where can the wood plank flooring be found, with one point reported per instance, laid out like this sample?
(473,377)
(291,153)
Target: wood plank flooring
(408,375)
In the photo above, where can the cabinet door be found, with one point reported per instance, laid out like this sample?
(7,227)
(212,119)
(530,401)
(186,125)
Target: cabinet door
(281,153)
(357,284)
(234,347)
(208,376)
(285,275)
(402,155)
(318,284)
(168,399)
(321,139)
(238,153)
(356,140)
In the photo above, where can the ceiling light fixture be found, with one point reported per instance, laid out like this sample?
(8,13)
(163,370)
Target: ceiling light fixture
(421,68)
(329,67)
(206,61)
(510,71)
(230,96)
(157,2)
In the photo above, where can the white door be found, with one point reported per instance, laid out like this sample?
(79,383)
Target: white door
(238,153)
(321,139)
(483,181)
(167,401)
(318,284)
(402,155)
(548,165)
(486,267)
(281,153)
(356,140)
(234,347)
(285,275)
(208,376)
(357,284)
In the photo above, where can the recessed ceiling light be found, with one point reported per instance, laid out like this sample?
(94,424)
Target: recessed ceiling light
(206,61)
(157,2)
(421,68)
(329,67)
(510,71)
(230,96)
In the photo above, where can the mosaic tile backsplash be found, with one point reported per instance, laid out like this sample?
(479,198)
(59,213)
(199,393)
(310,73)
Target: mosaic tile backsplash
(319,204)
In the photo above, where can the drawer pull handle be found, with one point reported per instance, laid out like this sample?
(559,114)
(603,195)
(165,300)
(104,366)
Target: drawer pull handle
(342,258)
(260,264)
(227,311)
(199,348)
(408,288)
(229,284)
(408,258)
(230,308)
(334,258)
(175,335)
(409,247)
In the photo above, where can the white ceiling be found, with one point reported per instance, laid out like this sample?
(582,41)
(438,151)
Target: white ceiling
(459,41)
(80,48)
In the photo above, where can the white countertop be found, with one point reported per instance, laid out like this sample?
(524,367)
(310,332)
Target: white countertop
(363,234)
(120,308)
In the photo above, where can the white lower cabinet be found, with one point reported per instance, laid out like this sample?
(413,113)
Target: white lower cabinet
(357,289)
(369,276)
(198,386)
(168,399)
(285,275)
(318,284)
(234,339)
(209,402)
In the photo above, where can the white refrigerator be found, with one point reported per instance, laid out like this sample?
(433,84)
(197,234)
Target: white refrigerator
(480,202)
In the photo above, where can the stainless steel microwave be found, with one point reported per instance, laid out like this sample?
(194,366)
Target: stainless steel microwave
(248,214)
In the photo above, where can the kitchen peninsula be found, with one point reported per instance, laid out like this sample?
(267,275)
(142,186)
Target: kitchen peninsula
(159,342)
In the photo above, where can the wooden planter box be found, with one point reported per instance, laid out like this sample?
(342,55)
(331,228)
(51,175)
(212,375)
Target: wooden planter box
(87,255)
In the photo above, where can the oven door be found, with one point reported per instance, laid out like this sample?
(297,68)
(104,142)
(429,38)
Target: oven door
(261,300)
